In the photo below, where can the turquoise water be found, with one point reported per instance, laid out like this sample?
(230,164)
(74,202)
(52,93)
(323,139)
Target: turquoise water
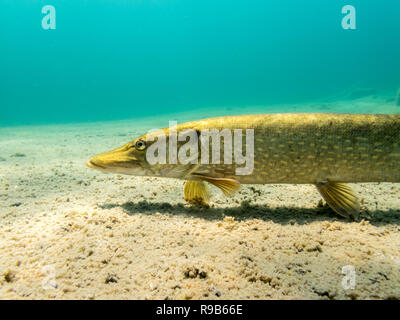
(133,59)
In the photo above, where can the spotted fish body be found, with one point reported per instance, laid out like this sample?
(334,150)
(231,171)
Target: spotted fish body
(309,148)
(327,150)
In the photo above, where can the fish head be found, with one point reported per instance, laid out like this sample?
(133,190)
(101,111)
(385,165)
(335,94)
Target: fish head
(137,158)
(129,159)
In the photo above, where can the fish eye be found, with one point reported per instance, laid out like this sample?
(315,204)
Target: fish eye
(140,144)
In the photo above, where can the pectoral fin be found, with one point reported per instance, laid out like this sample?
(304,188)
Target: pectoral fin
(227,185)
(340,197)
(196,192)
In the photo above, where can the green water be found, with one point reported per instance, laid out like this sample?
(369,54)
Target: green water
(110,60)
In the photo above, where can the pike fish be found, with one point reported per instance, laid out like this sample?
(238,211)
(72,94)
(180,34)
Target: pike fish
(326,150)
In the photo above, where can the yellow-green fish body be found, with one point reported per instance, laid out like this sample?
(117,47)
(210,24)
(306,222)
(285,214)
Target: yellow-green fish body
(308,148)
(305,148)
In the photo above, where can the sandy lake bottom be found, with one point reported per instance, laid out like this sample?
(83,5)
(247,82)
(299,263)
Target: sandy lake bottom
(68,232)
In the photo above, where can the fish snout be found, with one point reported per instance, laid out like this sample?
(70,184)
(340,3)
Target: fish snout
(112,161)
(94,163)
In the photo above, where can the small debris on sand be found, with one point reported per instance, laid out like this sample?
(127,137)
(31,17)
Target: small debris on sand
(111,278)
(17,204)
(18,155)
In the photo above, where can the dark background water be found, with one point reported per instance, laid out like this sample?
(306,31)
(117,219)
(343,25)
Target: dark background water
(122,59)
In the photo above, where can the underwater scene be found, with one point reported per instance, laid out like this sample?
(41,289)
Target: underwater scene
(200,150)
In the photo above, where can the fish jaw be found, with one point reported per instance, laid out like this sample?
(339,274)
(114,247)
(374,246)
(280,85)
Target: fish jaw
(93,163)
(117,161)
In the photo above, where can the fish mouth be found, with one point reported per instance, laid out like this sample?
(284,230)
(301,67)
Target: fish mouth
(122,168)
(93,165)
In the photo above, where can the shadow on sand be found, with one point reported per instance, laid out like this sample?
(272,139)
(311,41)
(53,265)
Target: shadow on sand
(281,215)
